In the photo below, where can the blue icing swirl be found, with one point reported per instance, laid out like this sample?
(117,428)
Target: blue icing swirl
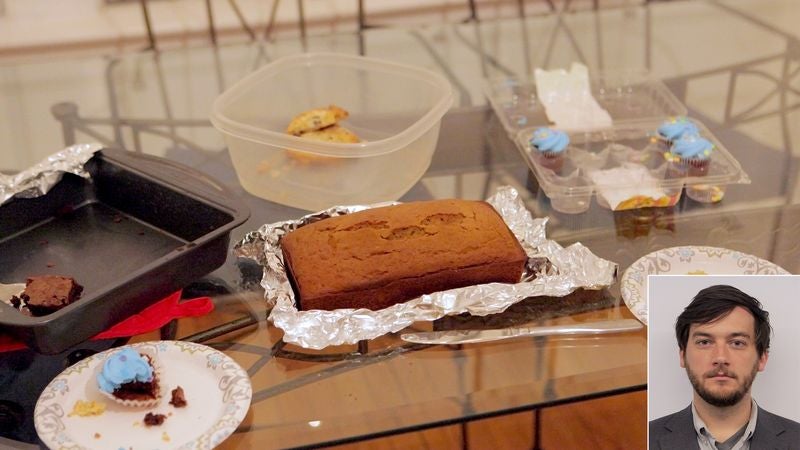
(676,127)
(549,140)
(692,147)
(122,367)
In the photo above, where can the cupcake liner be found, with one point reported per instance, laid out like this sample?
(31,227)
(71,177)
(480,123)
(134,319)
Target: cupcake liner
(551,155)
(143,402)
(695,162)
(697,167)
(551,160)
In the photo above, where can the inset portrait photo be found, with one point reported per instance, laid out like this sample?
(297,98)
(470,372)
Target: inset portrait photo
(723,362)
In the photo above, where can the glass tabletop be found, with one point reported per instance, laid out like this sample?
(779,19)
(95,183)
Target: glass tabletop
(158,103)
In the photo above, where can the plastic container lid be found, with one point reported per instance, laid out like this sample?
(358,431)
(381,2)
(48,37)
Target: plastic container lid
(625,94)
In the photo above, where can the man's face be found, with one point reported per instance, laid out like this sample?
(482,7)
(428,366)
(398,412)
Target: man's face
(721,358)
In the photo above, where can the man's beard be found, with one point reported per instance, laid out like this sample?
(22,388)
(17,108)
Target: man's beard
(721,399)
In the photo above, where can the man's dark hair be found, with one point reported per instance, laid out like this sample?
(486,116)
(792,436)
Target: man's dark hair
(714,303)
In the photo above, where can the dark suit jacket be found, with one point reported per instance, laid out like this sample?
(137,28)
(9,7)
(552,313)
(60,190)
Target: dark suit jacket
(676,432)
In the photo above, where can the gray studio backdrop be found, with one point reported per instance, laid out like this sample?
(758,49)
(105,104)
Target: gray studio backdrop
(776,389)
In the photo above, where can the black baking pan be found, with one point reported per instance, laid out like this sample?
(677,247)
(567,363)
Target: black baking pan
(139,229)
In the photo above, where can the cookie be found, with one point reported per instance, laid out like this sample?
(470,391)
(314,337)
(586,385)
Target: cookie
(333,133)
(316,119)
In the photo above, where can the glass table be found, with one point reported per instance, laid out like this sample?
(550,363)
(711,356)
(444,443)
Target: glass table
(158,103)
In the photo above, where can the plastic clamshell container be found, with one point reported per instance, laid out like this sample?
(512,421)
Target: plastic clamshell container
(630,145)
(626,95)
(139,229)
(396,111)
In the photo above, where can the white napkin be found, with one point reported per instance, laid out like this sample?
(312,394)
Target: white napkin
(625,182)
(568,100)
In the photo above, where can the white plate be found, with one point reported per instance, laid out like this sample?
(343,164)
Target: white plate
(688,260)
(217,391)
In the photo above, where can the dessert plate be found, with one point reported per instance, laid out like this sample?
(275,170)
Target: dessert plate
(216,388)
(687,260)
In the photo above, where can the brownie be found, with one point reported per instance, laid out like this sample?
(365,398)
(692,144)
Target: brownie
(47,294)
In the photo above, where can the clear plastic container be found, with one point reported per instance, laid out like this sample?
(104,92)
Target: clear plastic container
(608,163)
(395,109)
(626,95)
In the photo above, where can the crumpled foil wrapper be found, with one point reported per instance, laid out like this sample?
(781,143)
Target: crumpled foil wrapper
(569,269)
(39,179)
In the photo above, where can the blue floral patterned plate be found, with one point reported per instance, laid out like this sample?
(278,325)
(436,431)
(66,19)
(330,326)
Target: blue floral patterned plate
(217,392)
(688,260)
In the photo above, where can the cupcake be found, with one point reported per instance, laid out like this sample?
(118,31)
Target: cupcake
(548,147)
(673,129)
(693,153)
(130,378)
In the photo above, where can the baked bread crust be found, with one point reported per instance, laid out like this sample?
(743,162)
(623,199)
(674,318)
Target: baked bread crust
(382,256)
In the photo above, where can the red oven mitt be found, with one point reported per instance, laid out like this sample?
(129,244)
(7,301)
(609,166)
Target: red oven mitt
(151,318)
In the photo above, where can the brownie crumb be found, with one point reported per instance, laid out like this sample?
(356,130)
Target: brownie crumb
(51,265)
(151,419)
(97,436)
(178,398)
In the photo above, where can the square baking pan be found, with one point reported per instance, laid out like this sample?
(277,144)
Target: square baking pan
(139,229)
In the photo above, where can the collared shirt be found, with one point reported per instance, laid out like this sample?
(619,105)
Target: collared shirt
(739,441)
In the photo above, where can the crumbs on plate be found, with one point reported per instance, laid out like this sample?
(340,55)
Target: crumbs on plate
(178,398)
(87,408)
(152,420)
(697,272)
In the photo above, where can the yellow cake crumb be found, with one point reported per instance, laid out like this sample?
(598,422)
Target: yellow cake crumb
(85,409)
(165,437)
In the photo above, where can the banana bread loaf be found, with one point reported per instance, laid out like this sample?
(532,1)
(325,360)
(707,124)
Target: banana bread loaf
(382,256)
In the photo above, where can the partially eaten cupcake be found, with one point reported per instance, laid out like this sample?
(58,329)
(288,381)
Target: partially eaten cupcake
(130,378)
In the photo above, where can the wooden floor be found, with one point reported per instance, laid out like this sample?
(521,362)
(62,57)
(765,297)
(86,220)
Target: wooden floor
(611,423)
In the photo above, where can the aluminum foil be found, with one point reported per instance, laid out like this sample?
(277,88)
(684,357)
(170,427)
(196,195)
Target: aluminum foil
(39,179)
(568,269)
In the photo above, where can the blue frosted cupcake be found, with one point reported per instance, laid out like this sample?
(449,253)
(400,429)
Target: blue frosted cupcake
(548,147)
(692,152)
(673,129)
